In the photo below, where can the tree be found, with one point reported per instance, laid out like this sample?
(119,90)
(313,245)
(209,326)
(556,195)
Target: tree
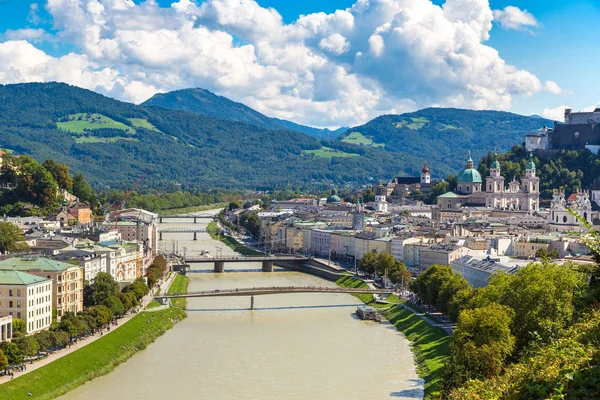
(549,254)
(60,173)
(234,205)
(18,326)
(427,285)
(125,300)
(542,296)
(399,274)
(28,345)
(82,189)
(12,352)
(35,184)
(104,287)
(3,360)
(448,290)
(368,264)
(11,239)
(102,314)
(114,305)
(482,342)
(46,340)
(384,263)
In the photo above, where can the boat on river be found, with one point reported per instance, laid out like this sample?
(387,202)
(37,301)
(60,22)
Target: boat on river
(365,312)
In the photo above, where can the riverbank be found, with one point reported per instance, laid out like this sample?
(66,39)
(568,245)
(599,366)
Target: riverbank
(187,210)
(230,242)
(94,360)
(430,344)
(179,285)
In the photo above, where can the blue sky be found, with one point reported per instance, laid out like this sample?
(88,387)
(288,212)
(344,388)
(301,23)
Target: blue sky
(559,47)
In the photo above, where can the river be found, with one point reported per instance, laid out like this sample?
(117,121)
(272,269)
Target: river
(292,346)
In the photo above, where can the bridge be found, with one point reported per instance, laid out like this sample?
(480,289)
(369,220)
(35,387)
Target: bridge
(267,261)
(196,217)
(180,230)
(260,291)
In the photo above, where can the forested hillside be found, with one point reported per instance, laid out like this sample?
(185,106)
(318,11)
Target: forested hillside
(204,102)
(112,143)
(445,134)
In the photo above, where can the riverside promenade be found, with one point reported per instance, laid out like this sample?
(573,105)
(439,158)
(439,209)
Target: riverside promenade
(164,286)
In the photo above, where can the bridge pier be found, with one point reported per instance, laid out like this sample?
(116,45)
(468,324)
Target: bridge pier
(160,233)
(194,219)
(252,302)
(267,266)
(164,301)
(219,266)
(195,235)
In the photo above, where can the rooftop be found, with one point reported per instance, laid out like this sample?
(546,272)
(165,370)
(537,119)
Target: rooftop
(19,278)
(30,263)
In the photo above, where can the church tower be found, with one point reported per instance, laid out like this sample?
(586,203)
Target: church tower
(531,186)
(358,219)
(425,176)
(495,186)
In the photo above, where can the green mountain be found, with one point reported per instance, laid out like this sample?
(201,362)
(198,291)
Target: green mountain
(204,102)
(445,134)
(112,143)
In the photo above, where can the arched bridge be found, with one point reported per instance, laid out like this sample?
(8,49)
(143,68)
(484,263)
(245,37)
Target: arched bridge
(195,217)
(267,261)
(259,291)
(180,230)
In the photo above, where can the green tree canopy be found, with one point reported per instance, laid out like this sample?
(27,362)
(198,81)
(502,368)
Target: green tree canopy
(11,239)
(114,305)
(103,287)
(60,173)
(3,360)
(12,352)
(82,189)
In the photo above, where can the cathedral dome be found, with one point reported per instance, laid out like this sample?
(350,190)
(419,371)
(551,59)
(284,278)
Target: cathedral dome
(495,164)
(334,198)
(469,175)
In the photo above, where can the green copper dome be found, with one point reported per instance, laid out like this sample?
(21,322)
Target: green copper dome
(495,164)
(530,164)
(469,175)
(334,198)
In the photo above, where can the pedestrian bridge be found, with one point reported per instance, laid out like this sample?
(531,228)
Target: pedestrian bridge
(267,261)
(266,290)
(180,230)
(195,217)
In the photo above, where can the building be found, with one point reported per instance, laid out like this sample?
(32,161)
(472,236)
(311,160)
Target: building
(398,243)
(320,240)
(67,280)
(381,203)
(538,140)
(478,271)
(527,248)
(442,254)
(91,261)
(81,211)
(27,297)
(561,218)
(6,328)
(405,185)
(580,130)
(124,260)
(524,196)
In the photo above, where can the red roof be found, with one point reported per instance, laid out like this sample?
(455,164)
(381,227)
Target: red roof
(572,197)
(425,169)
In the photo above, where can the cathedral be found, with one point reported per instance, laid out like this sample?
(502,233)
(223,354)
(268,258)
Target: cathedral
(494,194)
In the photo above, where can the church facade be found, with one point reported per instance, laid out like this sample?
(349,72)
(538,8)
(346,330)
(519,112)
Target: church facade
(494,194)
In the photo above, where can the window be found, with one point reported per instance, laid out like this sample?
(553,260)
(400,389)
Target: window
(18,293)
(19,305)
(19,314)
(10,305)
(10,293)
(565,219)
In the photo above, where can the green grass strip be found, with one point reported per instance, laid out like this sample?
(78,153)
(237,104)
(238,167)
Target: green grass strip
(179,285)
(94,360)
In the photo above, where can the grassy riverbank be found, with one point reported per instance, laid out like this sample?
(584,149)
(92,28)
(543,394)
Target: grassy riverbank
(179,285)
(184,210)
(230,242)
(430,344)
(94,360)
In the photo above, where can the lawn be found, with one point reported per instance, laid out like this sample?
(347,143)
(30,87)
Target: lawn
(327,152)
(80,122)
(414,123)
(359,138)
(179,285)
(143,123)
(94,360)
(94,139)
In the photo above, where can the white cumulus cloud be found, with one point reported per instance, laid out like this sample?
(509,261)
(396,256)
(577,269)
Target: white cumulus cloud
(342,68)
(514,18)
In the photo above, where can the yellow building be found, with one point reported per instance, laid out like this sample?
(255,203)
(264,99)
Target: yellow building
(67,280)
(527,249)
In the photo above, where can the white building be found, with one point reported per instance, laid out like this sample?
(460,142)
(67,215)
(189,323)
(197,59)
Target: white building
(320,240)
(27,297)
(381,203)
(478,271)
(92,262)
(560,217)
(6,328)
(398,244)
